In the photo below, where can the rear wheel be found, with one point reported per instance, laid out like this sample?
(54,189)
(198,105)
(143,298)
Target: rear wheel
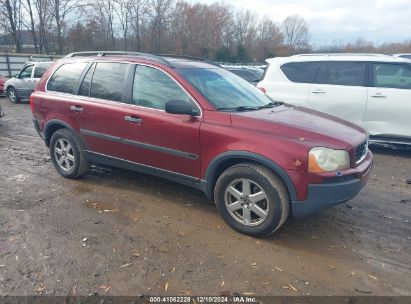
(251,199)
(67,154)
(12,95)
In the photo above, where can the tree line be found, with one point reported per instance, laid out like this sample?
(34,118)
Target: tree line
(217,31)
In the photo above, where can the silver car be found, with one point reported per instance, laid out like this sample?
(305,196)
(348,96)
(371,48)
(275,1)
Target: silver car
(22,84)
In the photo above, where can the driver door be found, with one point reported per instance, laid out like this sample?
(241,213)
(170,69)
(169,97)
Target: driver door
(155,138)
(24,84)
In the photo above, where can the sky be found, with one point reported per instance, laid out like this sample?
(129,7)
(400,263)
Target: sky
(339,21)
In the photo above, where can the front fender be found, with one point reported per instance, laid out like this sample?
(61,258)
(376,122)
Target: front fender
(210,175)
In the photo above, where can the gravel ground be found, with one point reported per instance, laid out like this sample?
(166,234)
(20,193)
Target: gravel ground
(116,232)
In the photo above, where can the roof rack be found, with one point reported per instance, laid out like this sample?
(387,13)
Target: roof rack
(119,53)
(341,54)
(190,58)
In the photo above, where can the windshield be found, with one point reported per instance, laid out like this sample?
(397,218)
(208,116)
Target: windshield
(224,89)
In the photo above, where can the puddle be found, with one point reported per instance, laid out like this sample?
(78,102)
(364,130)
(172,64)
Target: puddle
(102,206)
(82,188)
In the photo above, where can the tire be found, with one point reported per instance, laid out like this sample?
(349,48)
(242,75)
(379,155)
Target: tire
(67,154)
(267,192)
(12,95)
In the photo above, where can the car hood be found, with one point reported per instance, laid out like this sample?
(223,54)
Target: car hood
(297,123)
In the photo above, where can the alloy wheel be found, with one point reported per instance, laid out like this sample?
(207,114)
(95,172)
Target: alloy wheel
(64,154)
(12,95)
(246,202)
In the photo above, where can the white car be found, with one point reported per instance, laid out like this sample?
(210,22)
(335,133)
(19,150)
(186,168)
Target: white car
(371,90)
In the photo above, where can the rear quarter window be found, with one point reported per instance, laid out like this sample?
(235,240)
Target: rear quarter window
(301,72)
(65,78)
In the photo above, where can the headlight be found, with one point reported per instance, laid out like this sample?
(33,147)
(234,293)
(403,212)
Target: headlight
(324,160)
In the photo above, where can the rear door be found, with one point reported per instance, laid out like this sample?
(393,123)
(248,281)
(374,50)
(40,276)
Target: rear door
(389,100)
(340,89)
(98,107)
(58,101)
(291,82)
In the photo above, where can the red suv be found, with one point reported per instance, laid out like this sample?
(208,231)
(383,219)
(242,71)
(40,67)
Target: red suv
(197,124)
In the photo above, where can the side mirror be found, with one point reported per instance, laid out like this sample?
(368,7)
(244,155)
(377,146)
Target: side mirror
(178,106)
(16,75)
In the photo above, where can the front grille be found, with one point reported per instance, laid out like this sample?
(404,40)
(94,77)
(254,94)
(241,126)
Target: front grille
(360,152)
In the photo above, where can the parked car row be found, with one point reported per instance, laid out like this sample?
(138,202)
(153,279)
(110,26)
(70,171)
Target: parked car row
(249,73)
(372,91)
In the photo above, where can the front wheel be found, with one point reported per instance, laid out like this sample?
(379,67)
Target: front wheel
(12,95)
(67,154)
(252,199)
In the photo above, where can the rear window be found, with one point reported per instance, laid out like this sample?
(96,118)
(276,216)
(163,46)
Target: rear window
(108,80)
(302,72)
(64,80)
(40,69)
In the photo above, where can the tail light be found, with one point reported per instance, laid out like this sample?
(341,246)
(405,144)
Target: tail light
(32,103)
(262,90)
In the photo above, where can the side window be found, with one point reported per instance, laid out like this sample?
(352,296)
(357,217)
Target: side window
(40,69)
(108,80)
(153,88)
(86,84)
(388,75)
(345,73)
(302,72)
(26,72)
(64,80)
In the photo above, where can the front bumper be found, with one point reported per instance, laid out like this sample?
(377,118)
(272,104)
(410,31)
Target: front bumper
(328,194)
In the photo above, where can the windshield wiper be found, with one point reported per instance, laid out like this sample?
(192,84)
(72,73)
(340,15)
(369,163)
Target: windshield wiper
(238,109)
(271,104)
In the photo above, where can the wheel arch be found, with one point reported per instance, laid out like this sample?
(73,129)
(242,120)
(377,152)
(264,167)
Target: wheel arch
(54,125)
(228,159)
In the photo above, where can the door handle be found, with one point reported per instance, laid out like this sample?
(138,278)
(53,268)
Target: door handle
(378,95)
(318,91)
(133,119)
(76,108)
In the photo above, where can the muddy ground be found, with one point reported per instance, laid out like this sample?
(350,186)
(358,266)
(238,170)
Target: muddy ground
(122,233)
